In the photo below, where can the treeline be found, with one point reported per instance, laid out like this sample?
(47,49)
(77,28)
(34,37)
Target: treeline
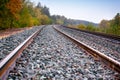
(105,26)
(22,13)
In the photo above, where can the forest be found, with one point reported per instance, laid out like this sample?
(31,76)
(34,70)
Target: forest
(105,26)
(23,13)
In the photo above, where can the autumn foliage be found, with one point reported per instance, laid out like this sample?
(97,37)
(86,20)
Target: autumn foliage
(22,13)
(14,7)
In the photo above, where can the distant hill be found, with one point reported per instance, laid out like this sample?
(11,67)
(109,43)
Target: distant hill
(77,22)
(57,19)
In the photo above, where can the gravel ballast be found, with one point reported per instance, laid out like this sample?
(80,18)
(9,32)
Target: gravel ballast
(54,57)
(10,43)
(107,46)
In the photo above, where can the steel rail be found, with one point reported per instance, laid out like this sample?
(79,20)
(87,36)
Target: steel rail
(104,35)
(9,61)
(108,61)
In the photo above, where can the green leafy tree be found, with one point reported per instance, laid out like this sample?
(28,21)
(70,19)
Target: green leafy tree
(4,15)
(25,17)
(115,24)
(90,27)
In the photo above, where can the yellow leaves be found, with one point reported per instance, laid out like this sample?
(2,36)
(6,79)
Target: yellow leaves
(14,6)
(21,13)
(45,19)
(81,26)
(37,12)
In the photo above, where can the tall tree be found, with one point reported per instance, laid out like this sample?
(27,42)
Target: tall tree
(115,24)
(4,15)
(39,5)
(45,10)
(25,17)
(104,25)
(22,13)
(117,20)
(14,7)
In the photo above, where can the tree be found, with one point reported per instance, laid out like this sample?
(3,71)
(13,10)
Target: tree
(25,17)
(104,25)
(81,26)
(14,7)
(39,5)
(45,11)
(117,20)
(4,15)
(57,19)
(115,24)
(90,27)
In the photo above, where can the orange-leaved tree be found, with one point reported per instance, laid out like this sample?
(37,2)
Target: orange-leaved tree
(14,7)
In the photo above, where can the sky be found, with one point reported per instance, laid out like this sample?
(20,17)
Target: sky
(89,10)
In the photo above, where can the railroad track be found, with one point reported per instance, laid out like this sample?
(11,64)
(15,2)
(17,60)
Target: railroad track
(107,46)
(113,64)
(9,61)
(114,37)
